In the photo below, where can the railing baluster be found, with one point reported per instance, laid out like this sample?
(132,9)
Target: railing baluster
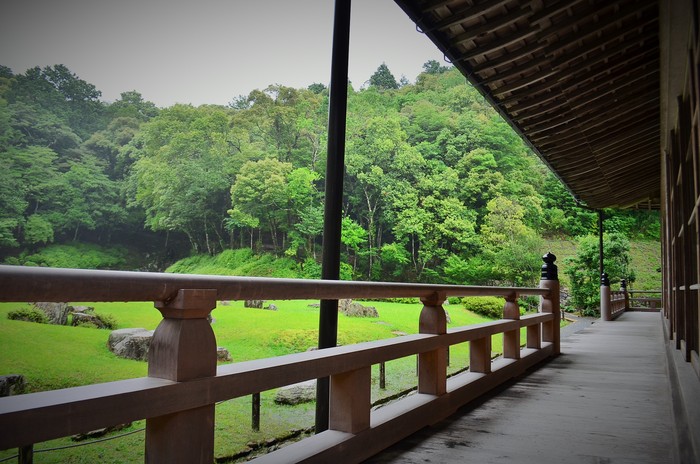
(480,355)
(183,348)
(432,366)
(350,400)
(511,338)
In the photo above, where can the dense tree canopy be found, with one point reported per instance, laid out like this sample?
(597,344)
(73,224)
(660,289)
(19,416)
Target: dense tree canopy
(438,188)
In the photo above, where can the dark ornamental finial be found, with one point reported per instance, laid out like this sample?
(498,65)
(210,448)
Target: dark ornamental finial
(549,269)
(604,281)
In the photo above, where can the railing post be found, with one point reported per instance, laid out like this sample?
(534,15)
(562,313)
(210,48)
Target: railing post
(623,287)
(511,338)
(432,365)
(605,310)
(550,303)
(183,348)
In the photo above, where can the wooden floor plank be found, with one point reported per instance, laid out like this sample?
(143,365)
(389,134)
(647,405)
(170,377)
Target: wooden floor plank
(606,399)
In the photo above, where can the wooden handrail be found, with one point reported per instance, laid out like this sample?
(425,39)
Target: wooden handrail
(20,283)
(177,399)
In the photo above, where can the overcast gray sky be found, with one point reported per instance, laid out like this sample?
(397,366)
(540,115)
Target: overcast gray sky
(205,51)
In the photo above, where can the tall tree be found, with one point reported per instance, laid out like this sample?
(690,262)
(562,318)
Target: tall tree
(383,78)
(183,171)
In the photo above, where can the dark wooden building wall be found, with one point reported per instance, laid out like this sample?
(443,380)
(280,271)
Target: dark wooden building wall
(681,179)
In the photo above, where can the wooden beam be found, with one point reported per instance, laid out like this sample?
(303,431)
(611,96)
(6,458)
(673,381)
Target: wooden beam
(465,14)
(486,48)
(488,27)
(607,42)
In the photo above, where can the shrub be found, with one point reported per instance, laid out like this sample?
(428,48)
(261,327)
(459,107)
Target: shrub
(95,320)
(405,300)
(487,306)
(76,255)
(583,270)
(30,314)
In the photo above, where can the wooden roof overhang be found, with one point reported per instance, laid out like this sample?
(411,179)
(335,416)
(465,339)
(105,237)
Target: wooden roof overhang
(578,79)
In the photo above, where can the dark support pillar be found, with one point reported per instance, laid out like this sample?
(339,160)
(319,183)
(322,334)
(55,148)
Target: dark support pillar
(255,412)
(605,309)
(600,242)
(335,168)
(26,455)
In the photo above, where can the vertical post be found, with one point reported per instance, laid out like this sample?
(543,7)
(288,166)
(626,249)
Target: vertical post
(600,243)
(183,349)
(623,287)
(332,218)
(480,355)
(382,375)
(255,420)
(350,400)
(432,365)
(550,304)
(511,338)
(26,455)
(605,309)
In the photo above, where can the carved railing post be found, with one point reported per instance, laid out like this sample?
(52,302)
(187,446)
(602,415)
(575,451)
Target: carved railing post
(183,348)
(550,303)
(511,338)
(605,309)
(623,287)
(432,365)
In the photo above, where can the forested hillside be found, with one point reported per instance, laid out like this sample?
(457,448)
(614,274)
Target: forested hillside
(438,187)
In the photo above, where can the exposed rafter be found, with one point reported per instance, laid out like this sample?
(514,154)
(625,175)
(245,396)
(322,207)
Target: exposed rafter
(578,79)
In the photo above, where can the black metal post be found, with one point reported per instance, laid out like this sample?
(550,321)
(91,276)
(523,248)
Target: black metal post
(382,375)
(600,241)
(26,455)
(335,168)
(255,420)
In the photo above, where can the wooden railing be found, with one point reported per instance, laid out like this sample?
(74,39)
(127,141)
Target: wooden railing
(645,301)
(177,398)
(618,303)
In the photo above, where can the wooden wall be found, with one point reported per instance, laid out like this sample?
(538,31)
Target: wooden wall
(681,178)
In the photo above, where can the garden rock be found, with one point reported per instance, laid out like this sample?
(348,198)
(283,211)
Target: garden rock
(253,304)
(12,384)
(56,312)
(353,309)
(80,309)
(100,432)
(82,318)
(271,307)
(302,392)
(130,343)
(223,355)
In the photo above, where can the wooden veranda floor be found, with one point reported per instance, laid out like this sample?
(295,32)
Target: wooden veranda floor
(606,399)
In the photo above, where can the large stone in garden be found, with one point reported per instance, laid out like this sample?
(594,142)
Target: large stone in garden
(223,355)
(11,384)
(302,392)
(253,304)
(82,318)
(354,309)
(56,312)
(130,343)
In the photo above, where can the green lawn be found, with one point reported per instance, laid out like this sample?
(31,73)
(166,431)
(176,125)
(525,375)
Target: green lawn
(52,357)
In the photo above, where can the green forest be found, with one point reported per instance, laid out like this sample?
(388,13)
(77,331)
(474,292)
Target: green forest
(438,187)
